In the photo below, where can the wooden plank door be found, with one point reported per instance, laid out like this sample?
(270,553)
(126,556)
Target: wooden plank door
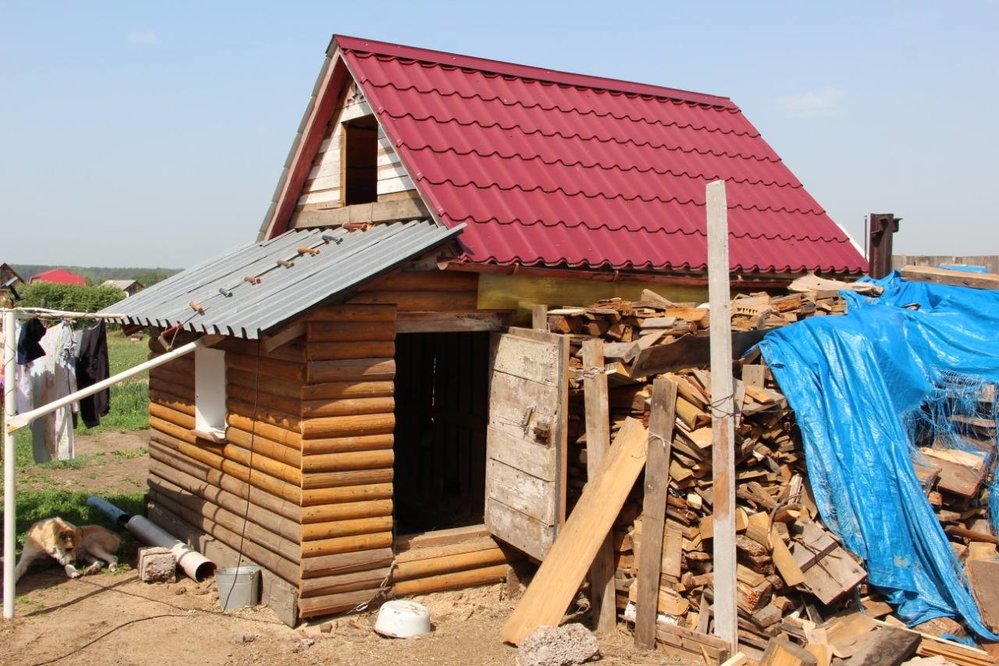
(526,438)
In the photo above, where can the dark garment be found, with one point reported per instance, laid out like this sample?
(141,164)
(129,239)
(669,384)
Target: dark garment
(91,367)
(28,348)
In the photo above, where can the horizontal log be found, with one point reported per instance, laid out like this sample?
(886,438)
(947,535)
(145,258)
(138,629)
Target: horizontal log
(323,496)
(171,437)
(359,477)
(182,380)
(346,407)
(352,313)
(451,581)
(292,353)
(268,559)
(284,404)
(260,382)
(345,390)
(204,474)
(342,462)
(363,369)
(424,281)
(447,537)
(265,447)
(291,438)
(435,552)
(427,300)
(347,511)
(175,403)
(264,413)
(324,445)
(335,351)
(350,331)
(339,583)
(343,528)
(445,565)
(175,391)
(294,372)
(221,508)
(346,544)
(348,426)
(174,417)
(329,565)
(336,603)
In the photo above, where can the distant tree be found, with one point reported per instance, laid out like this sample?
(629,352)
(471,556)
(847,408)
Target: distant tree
(70,297)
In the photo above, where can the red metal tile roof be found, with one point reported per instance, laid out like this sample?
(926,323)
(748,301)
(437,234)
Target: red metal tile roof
(59,276)
(555,169)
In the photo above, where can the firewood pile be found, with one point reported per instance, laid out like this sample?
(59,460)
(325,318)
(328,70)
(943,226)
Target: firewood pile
(791,569)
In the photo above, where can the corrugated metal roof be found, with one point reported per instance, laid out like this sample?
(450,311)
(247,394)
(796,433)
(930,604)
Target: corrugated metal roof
(236,307)
(554,169)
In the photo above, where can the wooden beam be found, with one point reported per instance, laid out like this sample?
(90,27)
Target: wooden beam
(286,335)
(950,277)
(539,317)
(452,322)
(722,421)
(558,578)
(654,510)
(602,593)
(367,213)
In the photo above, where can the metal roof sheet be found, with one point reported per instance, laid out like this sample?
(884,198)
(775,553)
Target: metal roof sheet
(555,169)
(237,307)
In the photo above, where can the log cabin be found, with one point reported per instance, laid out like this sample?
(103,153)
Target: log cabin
(369,419)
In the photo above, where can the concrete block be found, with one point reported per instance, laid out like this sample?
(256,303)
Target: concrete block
(157,565)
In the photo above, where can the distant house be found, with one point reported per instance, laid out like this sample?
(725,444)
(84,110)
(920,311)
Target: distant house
(10,281)
(130,287)
(59,276)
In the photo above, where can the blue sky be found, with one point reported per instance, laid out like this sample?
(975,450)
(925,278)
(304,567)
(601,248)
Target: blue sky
(153,134)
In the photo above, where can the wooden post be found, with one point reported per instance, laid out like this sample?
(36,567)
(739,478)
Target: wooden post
(539,317)
(722,421)
(602,594)
(654,510)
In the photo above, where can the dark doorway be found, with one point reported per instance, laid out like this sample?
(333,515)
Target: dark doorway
(441,410)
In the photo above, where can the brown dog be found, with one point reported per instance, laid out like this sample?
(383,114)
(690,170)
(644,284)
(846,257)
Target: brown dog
(68,544)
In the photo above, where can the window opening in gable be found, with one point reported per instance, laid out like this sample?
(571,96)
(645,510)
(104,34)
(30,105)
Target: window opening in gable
(360,161)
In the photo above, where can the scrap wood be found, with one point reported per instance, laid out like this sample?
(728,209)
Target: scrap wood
(563,569)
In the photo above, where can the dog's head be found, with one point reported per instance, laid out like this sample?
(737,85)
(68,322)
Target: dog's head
(62,545)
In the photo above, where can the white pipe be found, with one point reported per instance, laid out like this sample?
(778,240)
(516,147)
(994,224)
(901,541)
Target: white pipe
(21,420)
(9,462)
(195,565)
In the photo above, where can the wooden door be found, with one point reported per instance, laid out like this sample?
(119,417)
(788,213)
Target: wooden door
(526,438)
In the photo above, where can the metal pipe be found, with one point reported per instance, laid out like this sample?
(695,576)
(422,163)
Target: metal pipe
(9,461)
(193,563)
(21,420)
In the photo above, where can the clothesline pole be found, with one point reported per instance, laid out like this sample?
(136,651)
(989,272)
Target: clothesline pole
(9,462)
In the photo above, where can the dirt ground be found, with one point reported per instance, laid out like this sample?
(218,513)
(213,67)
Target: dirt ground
(115,619)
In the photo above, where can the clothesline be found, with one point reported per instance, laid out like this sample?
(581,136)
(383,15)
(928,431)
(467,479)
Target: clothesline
(47,313)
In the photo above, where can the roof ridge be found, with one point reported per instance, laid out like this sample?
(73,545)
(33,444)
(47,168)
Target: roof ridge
(504,68)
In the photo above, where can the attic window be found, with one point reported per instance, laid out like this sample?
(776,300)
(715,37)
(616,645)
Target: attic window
(359,158)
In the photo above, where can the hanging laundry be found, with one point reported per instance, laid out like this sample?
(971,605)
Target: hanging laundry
(28,348)
(54,377)
(92,366)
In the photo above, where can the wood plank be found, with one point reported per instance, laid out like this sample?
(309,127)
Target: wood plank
(950,277)
(559,576)
(661,423)
(984,578)
(597,414)
(452,322)
(521,491)
(722,413)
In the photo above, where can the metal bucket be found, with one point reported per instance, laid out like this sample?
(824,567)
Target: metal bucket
(238,587)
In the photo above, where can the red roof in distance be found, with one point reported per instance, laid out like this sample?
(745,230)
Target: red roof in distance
(554,169)
(59,276)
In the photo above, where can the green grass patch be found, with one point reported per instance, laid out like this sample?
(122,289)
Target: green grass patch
(129,454)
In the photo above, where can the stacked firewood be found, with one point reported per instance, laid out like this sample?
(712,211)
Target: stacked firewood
(789,564)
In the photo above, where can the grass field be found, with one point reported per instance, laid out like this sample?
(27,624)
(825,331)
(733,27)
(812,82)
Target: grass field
(129,411)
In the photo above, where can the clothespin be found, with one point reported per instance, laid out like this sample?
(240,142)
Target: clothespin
(197,308)
(330,238)
(286,263)
(357,226)
(252,279)
(311,251)
(225,292)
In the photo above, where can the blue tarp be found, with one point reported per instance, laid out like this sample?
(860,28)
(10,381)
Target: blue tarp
(854,383)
